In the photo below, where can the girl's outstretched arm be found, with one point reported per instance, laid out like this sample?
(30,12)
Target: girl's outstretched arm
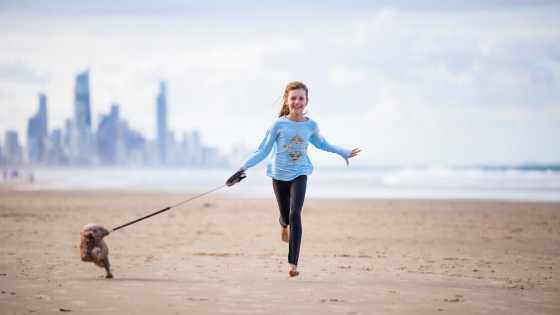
(263,150)
(321,143)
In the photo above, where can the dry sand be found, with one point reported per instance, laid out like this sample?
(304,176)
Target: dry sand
(224,255)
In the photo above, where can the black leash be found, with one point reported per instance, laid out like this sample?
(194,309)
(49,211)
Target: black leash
(168,208)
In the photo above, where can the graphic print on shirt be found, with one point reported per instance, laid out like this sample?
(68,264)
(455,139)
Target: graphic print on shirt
(295,147)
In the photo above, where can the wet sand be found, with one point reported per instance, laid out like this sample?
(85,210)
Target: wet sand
(224,255)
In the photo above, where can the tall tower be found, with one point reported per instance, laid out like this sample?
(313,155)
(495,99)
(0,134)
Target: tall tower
(82,101)
(37,132)
(43,114)
(162,122)
(12,147)
(108,136)
(82,148)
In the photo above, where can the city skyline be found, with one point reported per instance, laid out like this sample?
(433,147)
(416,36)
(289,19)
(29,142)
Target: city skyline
(109,142)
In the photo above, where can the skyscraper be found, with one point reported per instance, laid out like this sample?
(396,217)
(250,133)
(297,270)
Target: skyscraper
(13,150)
(55,151)
(162,123)
(43,113)
(82,101)
(108,136)
(82,148)
(37,132)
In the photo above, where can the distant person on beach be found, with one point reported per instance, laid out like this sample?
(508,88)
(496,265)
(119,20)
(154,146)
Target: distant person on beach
(288,139)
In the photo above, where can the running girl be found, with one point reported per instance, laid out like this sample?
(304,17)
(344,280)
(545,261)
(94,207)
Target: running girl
(288,139)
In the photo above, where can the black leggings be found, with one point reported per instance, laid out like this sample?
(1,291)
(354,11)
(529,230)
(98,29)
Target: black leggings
(290,196)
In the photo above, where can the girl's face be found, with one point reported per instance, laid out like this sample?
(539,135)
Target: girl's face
(297,100)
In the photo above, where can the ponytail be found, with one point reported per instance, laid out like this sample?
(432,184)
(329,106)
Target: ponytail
(284,111)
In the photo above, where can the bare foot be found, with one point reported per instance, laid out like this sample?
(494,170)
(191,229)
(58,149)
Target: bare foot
(293,271)
(285,234)
(109,276)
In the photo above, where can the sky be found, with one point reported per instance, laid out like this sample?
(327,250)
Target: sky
(432,83)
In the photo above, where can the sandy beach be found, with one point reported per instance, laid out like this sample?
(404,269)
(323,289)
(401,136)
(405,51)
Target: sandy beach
(224,255)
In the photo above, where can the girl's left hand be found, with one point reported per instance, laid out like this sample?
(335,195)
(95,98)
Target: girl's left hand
(354,152)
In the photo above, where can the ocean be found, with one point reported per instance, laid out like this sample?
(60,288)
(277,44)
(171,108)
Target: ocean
(523,183)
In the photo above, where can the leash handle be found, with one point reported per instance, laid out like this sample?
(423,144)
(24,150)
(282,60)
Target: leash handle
(166,209)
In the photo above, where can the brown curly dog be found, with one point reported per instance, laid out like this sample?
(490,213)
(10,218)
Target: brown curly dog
(93,248)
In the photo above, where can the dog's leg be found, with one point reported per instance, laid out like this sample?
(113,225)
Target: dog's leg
(101,261)
(108,275)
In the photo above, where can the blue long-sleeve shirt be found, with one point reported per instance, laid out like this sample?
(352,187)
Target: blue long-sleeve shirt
(288,140)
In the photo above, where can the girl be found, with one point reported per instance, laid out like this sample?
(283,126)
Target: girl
(289,166)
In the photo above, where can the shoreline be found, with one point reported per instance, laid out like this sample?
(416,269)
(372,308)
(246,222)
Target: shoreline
(400,183)
(25,188)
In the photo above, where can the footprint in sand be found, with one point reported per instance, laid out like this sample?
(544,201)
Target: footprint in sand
(520,284)
(457,298)
(331,300)
(43,297)
(216,254)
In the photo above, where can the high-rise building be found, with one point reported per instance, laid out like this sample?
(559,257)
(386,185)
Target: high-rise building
(82,104)
(55,151)
(134,145)
(13,149)
(37,132)
(108,136)
(193,148)
(162,123)
(43,113)
(67,135)
(82,148)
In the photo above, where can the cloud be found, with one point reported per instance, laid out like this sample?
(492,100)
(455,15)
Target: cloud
(22,73)
(461,58)
(243,8)
(396,80)
(343,76)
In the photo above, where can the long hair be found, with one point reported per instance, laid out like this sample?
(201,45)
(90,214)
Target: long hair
(294,85)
